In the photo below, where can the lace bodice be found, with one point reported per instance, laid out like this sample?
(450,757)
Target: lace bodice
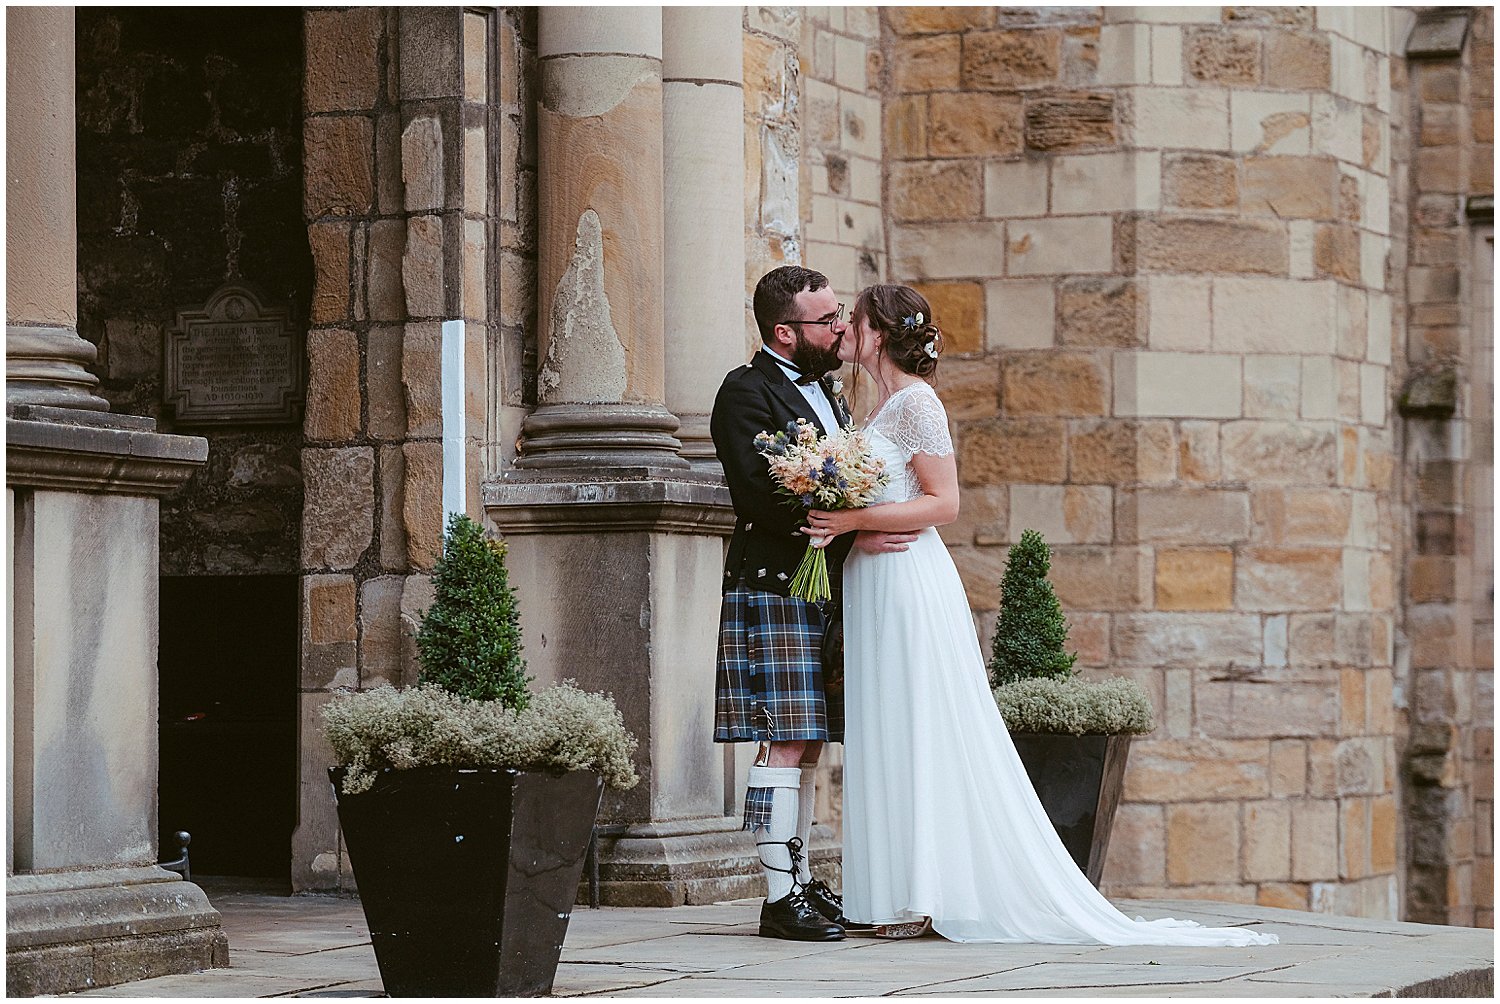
(911,421)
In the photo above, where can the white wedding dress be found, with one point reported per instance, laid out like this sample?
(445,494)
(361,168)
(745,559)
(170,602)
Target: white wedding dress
(940,819)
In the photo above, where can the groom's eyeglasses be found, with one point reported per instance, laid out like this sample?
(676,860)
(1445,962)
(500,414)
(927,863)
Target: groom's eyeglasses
(838,317)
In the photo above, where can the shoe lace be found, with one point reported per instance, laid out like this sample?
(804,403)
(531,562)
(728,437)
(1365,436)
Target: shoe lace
(794,848)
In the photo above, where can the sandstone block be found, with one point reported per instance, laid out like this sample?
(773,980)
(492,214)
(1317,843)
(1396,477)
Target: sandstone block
(1210,245)
(1268,840)
(1072,514)
(982,517)
(333,391)
(1137,846)
(1192,516)
(417,597)
(342,59)
(1002,60)
(1059,246)
(1352,701)
(948,250)
(338,506)
(1301,516)
(380,656)
(422,168)
(1200,181)
(1181,770)
(1179,312)
(1273,386)
(1287,187)
(1189,639)
(385,294)
(936,190)
(1181,118)
(1271,315)
(925,64)
(1271,122)
(1124,54)
(330,250)
(981,569)
(1099,312)
(1337,252)
(1101,578)
(1015,187)
(1383,834)
(958,309)
(423,274)
(421,378)
(1107,182)
(1102,451)
(1288,767)
(926,20)
(1076,121)
(329,602)
(1005,450)
(1314,847)
(1224,57)
(852,63)
(1284,895)
(1277,453)
(860,117)
(1194,580)
(1372,394)
(1198,452)
(1019,314)
(1088,634)
(339,172)
(1354,838)
(906,126)
(1298,61)
(1177,385)
(391,474)
(1288,578)
(1072,383)
(968,125)
(422,503)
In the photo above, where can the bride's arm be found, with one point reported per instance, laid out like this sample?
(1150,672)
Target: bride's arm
(936,506)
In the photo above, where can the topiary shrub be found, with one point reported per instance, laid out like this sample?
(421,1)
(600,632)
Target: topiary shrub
(1031,631)
(470,639)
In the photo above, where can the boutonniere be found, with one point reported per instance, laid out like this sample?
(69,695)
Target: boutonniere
(835,386)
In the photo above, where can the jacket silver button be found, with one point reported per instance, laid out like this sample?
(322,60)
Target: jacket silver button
(749,526)
(761,573)
(781,576)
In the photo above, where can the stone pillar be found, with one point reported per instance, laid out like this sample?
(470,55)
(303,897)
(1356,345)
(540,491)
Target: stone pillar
(616,546)
(44,356)
(86,904)
(704,154)
(601,380)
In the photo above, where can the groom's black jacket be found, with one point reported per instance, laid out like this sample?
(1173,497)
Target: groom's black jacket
(767,545)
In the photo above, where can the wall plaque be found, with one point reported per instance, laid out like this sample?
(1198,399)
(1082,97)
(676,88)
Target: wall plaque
(233,360)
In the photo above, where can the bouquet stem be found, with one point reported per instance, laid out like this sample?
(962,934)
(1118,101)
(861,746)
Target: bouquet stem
(811,581)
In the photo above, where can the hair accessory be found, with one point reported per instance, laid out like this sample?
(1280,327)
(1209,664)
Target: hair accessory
(910,323)
(931,349)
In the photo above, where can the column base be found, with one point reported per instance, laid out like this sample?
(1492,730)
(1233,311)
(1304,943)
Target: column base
(600,435)
(68,931)
(693,862)
(46,366)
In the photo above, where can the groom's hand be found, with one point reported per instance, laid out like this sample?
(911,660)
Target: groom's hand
(877,542)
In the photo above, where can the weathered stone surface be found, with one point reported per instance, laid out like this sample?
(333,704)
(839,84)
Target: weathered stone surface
(391,485)
(422,503)
(1203,841)
(380,657)
(1059,383)
(1288,767)
(926,20)
(338,166)
(385,292)
(1192,516)
(1314,854)
(1288,578)
(1175,770)
(1301,516)
(958,310)
(1019,315)
(1198,451)
(1277,453)
(1007,450)
(981,518)
(1075,121)
(1200,181)
(1194,580)
(1101,578)
(967,125)
(1287,187)
(421,378)
(925,64)
(1170,639)
(1224,57)
(342,52)
(1072,514)
(333,389)
(1189,245)
(1059,245)
(1104,312)
(936,190)
(1001,60)
(338,506)
(1336,252)
(1137,846)
(1284,895)
(383,380)
(1102,451)
(906,126)
(1268,841)
(423,274)
(330,250)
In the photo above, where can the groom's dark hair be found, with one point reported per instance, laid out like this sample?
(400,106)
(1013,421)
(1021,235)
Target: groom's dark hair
(776,296)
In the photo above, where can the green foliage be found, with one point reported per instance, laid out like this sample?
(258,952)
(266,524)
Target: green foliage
(563,728)
(1075,706)
(1030,632)
(470,640)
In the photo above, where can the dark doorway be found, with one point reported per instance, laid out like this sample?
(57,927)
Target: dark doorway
(228,664)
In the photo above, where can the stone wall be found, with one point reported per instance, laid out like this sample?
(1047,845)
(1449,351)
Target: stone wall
(1446,109)
(396,201)
(189,176)
(1161,235)
(513,360)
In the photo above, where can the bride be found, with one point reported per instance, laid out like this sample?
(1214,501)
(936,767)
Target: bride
(942,829)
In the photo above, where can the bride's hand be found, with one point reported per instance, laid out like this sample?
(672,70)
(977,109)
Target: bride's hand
(824,526)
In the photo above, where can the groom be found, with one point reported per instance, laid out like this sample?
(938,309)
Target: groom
(769,675)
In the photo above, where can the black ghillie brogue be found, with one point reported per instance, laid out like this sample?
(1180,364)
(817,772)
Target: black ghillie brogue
(831,905)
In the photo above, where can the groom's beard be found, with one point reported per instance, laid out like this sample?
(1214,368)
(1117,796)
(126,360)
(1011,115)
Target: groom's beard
(808,358)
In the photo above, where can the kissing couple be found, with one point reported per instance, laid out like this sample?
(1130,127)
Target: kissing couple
(942,828)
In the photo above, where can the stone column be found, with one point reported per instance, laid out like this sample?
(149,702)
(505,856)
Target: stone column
(86,904)
(616,545)
(600,381)
(44,356)
(703,132)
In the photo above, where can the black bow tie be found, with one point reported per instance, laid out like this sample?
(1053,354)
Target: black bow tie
(799,378)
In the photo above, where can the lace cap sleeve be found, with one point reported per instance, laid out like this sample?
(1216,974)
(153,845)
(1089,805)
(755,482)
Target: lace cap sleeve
(920,423)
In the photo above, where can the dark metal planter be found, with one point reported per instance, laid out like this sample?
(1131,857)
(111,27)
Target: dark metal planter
(467,877)
(1078,779)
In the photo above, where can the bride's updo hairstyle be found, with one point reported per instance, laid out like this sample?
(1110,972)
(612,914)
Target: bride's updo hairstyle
(903,316)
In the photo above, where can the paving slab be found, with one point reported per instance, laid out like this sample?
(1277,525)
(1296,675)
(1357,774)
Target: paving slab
(303,946)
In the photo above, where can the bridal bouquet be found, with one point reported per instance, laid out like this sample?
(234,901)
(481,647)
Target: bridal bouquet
(834,472)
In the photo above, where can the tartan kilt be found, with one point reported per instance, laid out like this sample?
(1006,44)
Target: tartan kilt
(769,678)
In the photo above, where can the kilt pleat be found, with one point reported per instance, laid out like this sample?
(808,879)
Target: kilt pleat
(769,677)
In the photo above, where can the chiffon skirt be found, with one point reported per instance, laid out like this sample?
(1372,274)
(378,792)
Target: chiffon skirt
(940,819)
